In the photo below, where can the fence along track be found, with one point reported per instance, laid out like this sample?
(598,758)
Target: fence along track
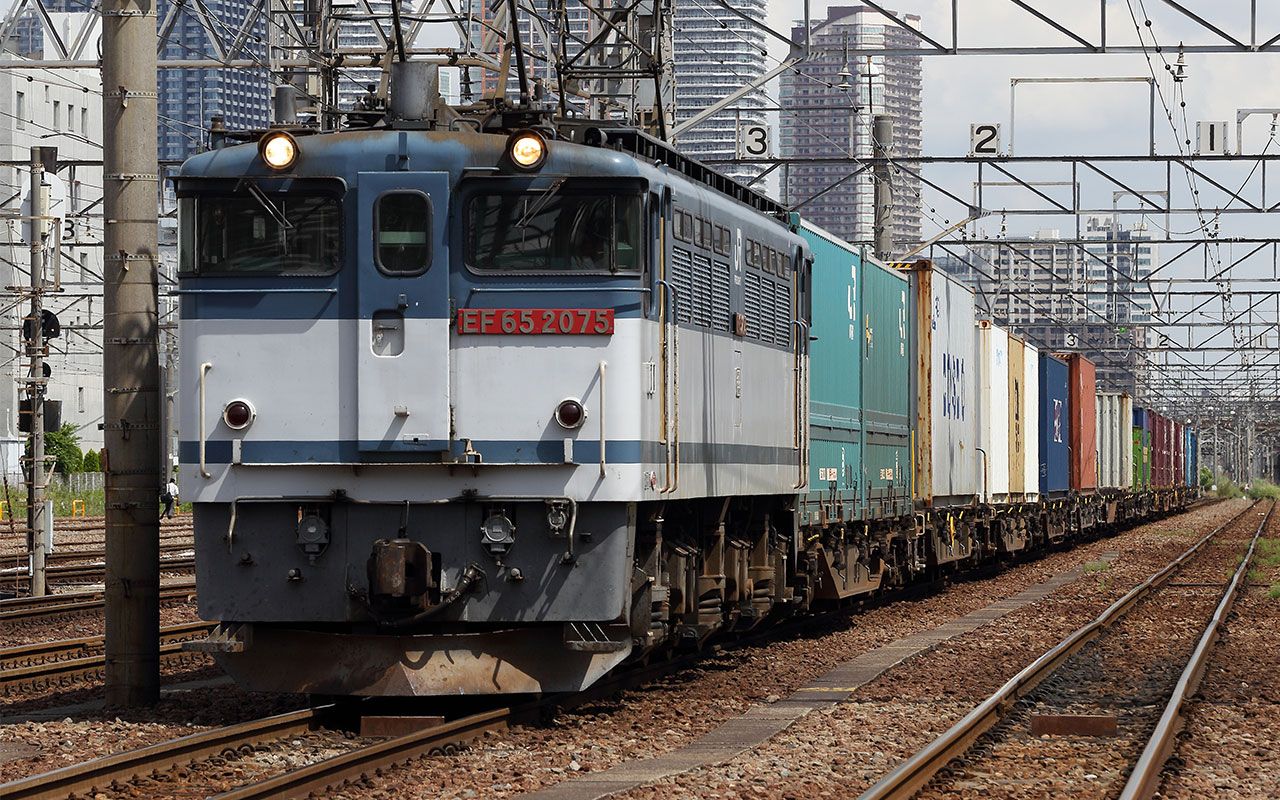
(914,774)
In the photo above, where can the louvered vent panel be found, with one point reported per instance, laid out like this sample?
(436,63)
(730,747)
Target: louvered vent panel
(702,291)
(752,302)
(682,281)
(720,304)
(782,314)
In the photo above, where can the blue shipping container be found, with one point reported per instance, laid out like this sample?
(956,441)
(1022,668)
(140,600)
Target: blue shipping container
(1055,434)
(1189,455)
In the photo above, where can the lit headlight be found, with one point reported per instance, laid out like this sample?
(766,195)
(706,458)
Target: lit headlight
(278,149)
(527,149)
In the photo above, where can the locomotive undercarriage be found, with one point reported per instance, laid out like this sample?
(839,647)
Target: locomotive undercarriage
(449,601)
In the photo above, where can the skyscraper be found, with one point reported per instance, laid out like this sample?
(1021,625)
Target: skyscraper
(1088,295)
(717,52)
(829,102)
(189,97)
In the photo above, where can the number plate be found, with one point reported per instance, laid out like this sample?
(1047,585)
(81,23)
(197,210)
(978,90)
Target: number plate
(517,321)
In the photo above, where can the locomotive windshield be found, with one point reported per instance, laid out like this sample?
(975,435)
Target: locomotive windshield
(554,230)
(259,232)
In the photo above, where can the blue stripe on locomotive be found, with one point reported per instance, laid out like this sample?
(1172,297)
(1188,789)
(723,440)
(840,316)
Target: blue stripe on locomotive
(1055,426)
(859,362)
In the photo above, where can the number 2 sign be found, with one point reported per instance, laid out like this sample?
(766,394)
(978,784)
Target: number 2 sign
(984,139)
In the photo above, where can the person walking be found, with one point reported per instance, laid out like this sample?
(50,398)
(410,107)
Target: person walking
(170,498)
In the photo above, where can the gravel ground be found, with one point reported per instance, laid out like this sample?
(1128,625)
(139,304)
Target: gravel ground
(1228,748)
(856,742)
(807,759)
(78,534)
(1128,672)
(86,623)
(681,707)
(30,746)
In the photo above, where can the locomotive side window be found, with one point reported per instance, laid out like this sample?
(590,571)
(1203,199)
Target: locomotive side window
(402,227)
(555,233)
(261,233)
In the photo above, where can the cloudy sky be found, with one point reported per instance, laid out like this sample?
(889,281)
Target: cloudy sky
(1078,118)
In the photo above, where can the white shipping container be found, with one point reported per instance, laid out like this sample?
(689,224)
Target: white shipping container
(1115,448)
(1031,413)
(992,345)
(1126,441)
(955,470)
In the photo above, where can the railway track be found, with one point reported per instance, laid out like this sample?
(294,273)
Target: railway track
(136,768)
(25,609)
(444,738)
(17,579)
(1109,685)
(63,663)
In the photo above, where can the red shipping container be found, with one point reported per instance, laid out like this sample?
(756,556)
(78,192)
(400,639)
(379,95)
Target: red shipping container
(1161,454)
(1083,404)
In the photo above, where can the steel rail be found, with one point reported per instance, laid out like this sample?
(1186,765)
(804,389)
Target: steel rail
(23,608)
(915,773)
(123,767)
(63,663)
(94,570)
(1147,772)
(316,778)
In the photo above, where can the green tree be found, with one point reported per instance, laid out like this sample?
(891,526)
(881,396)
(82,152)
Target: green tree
(64,446)
(92,462)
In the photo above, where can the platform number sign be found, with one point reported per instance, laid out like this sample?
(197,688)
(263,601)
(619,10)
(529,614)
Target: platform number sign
(1211,138)
(984,139)
(753,140)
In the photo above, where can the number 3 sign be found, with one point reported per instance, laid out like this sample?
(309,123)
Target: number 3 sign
(753,140)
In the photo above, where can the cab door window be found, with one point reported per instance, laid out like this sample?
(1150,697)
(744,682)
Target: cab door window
(402,233)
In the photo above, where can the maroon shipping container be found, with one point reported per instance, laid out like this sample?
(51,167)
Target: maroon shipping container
(1083,405)
(1161,451)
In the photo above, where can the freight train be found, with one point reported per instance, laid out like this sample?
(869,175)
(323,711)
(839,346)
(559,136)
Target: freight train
(493,403)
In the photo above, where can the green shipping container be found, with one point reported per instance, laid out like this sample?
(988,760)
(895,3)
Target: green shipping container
(1141,450)
(859,368)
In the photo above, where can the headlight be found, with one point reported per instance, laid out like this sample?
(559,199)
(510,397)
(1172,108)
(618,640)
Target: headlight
(278,149)
(570,414)
(527,149)
(238,414)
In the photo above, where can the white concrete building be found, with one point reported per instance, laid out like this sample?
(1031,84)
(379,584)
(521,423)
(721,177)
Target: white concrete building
(62,109)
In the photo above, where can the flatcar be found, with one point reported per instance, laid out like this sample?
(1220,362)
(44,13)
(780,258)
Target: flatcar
(487,401)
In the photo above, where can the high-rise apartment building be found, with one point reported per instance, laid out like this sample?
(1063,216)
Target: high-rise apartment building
(829,102)
(1088,296)
(63,109)
(190,97)
(717,52)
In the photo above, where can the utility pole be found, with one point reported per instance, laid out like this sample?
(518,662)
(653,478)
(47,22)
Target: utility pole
(131,373)
(37,518)
(881,142)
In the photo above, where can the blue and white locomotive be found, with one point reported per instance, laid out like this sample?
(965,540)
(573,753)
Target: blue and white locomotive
(483,411)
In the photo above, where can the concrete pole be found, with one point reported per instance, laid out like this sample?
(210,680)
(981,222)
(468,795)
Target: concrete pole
(881,143)
(37,519)
(131,374)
